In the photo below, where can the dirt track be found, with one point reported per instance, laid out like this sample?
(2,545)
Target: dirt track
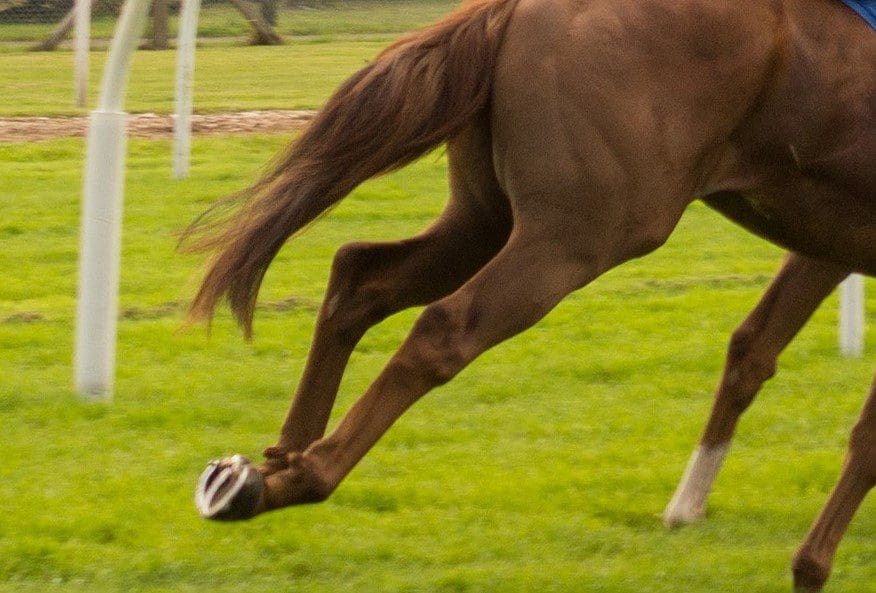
(151,125)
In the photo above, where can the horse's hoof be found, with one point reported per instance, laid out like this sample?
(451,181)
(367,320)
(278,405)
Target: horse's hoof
(230,489)
(676,520)
(680,513)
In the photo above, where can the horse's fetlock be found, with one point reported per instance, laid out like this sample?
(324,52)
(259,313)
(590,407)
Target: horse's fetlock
(276,459)
(810,574)
(318,491)
(315,483)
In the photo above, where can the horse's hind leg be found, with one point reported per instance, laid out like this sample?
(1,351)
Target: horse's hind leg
(813,560)
(370,281)
(801,285)
(513,291)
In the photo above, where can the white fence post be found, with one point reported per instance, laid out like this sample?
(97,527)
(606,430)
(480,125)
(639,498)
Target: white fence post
(103,192)
(185,66)
(82,44)
(852,316)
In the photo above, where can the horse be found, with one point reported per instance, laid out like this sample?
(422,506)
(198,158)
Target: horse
(577,133)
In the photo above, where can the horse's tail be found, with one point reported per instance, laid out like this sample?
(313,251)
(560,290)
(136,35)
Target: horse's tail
(416,94)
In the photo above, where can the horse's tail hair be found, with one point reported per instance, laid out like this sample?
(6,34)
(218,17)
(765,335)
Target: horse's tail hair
(416,94)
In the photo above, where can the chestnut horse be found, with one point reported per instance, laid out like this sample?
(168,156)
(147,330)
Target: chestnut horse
(577,132)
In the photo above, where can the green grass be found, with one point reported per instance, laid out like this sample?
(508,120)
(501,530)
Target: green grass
(298,75)
(228,76)
(543,467)
(348,17)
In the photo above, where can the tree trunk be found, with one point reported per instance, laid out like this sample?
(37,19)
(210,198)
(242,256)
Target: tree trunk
(263,33)
(59,34)
(269,11)
(159,24)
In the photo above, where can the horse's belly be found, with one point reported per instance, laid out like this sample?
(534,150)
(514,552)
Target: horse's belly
(810,218)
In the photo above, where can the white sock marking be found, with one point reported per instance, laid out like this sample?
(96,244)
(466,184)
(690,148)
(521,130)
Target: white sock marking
(688,502)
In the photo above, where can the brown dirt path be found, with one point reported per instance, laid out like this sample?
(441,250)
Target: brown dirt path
(151,125)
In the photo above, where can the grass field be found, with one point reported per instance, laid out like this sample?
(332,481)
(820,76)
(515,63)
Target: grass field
(322,48)
(544,466)
(298,75)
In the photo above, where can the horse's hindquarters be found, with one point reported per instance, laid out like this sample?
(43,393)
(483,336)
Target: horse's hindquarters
(608,116)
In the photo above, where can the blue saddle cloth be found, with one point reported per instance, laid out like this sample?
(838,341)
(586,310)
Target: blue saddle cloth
(865,8)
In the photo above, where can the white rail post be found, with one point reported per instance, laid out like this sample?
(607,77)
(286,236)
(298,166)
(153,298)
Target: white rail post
(185,66)
(103,192)
(851,324)
(81,44)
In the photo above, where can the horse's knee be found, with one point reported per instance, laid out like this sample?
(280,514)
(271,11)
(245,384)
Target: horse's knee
(747,367)
(810,574)
(435,348)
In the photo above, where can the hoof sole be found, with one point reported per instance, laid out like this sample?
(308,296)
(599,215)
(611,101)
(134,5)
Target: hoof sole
(229,489)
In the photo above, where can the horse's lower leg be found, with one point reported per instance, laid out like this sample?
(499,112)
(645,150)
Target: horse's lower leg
(813,560)
(801,285)
(369,282)
(511,293)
